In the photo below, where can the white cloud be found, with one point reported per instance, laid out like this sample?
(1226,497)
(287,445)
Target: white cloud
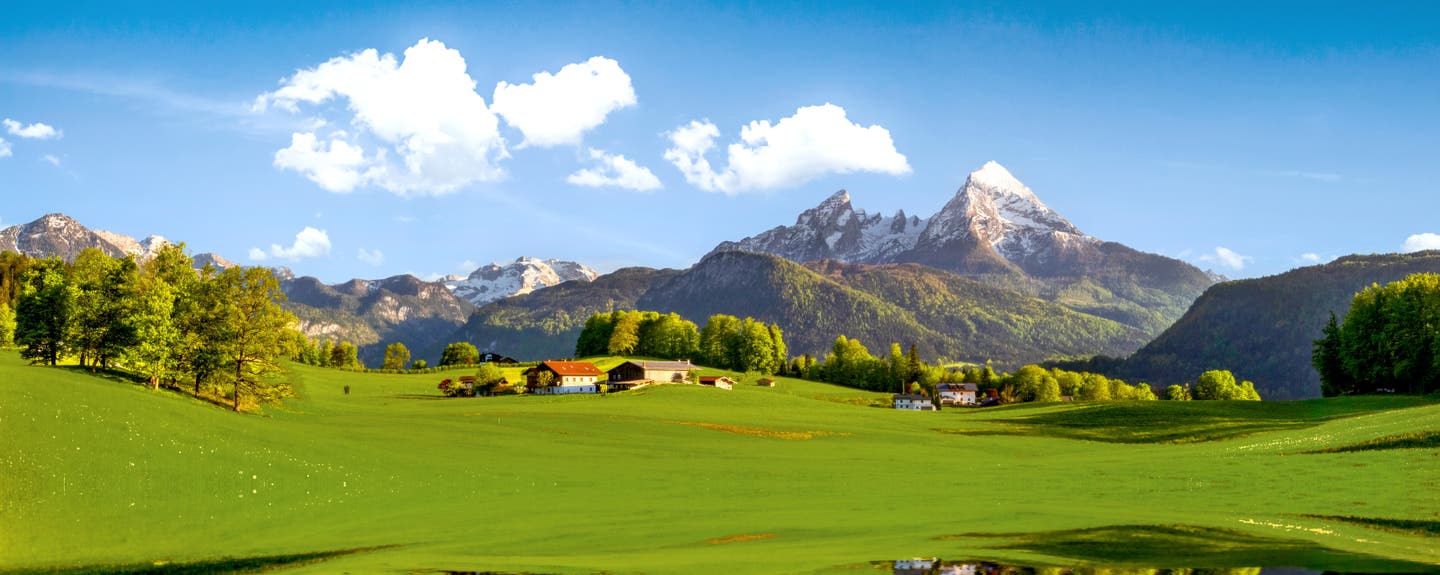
(36,131)
(1227,257)
(1310,258)
(615,170)
(374,258)
(54,161)
(309,243)
(5,149)
(338,169)
(816,141)
(559,108)
(424,110)
(468,266)
(1421,242)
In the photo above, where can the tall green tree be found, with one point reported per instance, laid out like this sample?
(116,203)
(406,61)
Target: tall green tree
(459,353)
(326,351)
(7,326)
(345,355)
(756,351)
(718,341)
(626,336)
(12,276)
(1177,393)
(397,356)
(201,317)
(257,331)
(42,314)
(106,293)
(156,334)
(1329,361)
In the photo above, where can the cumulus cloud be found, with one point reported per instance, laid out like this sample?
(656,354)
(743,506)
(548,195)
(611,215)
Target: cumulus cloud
(1421,242)
(340,168)
(374,258)
(1228,258)
(309,243)
(423,110)
(815,141)
(1310,258)
(557,109)
(36,131)
(5,149)
(615,170)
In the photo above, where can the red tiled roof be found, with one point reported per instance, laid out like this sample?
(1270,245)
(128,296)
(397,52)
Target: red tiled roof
(572,368)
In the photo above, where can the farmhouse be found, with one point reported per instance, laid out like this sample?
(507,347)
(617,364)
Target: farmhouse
(564,377)
(957,393)
(719,381)
(636,373)
(913,402)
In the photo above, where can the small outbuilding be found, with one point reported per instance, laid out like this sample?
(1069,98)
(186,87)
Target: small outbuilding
(719,381)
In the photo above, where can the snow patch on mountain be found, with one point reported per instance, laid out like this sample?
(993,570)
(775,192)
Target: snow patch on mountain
(524,275)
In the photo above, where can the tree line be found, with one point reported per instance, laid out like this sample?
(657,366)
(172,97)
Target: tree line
(851,364)
(1387,343)
(726,342)
(221,332)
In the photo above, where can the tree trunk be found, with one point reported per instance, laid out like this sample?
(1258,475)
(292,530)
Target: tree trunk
(197,384)
(238,365)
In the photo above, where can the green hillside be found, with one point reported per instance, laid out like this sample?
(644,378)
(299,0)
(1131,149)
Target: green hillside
(798,478)
(944,314)
(1262,329)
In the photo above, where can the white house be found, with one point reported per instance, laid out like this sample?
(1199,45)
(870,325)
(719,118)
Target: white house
(957,393)
(913,402)
(565,377)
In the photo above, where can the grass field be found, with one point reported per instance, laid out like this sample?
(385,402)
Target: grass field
(98,475)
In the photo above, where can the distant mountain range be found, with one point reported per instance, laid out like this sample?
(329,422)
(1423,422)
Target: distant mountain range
(59,235)
(524,275)
(1262,329)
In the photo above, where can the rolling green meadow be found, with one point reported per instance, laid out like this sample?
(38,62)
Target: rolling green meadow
(102,475)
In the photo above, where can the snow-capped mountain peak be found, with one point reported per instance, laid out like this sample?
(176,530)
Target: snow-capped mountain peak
(993,210)
(526,274)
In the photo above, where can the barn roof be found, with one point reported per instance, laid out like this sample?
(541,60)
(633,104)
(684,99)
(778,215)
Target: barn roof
(571,368)
(666,365)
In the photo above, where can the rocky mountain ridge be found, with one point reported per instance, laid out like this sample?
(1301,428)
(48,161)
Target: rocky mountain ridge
(996,230)
(524,275)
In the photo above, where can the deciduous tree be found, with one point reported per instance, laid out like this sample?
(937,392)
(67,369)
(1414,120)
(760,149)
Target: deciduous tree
(396,356)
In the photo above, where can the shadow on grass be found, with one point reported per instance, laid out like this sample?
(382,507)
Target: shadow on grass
(1185,421)
(1417,440)
(1174,546)
(255,564)
(1419,527)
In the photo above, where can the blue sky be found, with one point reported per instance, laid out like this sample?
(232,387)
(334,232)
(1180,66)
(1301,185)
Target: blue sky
(1248,140)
